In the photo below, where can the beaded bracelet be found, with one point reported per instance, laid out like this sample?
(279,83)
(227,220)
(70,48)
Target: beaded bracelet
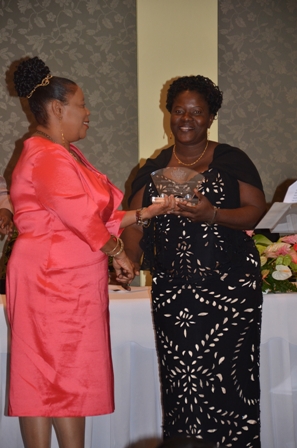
(139,220)
(215,211)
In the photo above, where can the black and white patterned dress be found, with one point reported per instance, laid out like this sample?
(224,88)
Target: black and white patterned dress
(207,314)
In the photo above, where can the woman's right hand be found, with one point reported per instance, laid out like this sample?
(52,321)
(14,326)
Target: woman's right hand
(124,269)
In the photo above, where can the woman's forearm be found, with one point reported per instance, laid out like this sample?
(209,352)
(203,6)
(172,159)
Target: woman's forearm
(131,237)
(128,219)
(146,213)
(243,218)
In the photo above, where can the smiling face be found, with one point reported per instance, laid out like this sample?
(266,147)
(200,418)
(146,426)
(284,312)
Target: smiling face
(75,117)
(190,118)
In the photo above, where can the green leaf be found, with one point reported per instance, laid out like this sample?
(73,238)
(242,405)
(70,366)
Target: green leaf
(261,239)
(261,248)
(287,260)
(275,286)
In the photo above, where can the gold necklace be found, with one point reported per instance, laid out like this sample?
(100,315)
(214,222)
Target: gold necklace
(193,163)
(43,134)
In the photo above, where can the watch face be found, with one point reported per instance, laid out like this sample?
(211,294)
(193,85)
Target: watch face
(178,181)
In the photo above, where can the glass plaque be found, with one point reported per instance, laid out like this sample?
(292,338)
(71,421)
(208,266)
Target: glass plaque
(179,181)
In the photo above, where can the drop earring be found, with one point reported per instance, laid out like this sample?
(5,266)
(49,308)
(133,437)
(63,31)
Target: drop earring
(63,139)
(170,135)
(62,133)
(208,133)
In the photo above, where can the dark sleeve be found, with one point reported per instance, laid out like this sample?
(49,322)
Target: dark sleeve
(236,163)
(143,174)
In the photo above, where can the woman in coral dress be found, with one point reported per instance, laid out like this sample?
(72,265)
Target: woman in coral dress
(57,284)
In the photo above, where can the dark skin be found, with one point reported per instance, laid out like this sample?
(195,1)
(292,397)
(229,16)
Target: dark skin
(6,223)
(190,120)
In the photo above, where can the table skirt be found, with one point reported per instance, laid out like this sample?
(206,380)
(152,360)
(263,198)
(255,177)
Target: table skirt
(136,422)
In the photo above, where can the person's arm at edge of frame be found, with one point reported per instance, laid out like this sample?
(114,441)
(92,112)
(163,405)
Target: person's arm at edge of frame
(6,216)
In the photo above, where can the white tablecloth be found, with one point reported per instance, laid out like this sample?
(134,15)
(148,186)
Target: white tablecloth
(278,371)
(136,423)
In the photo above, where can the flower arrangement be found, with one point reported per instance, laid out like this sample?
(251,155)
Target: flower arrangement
(278,263)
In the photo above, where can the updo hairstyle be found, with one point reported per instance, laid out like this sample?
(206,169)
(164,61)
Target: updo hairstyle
(32,72)
(200,84)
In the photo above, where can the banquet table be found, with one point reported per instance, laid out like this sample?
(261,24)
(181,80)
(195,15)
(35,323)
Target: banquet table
(136,422)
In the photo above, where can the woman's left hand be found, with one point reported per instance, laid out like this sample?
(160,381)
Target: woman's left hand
(124,269)
(167,205)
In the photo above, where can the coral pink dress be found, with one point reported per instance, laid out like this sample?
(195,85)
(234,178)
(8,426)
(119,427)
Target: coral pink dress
(57,284)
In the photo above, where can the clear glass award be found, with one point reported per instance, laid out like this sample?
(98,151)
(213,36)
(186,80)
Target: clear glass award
(179,181)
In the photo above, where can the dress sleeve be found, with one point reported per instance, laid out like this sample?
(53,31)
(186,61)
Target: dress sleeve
(236,163)
(59,188)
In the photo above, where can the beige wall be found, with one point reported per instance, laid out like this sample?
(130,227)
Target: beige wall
(174,38)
